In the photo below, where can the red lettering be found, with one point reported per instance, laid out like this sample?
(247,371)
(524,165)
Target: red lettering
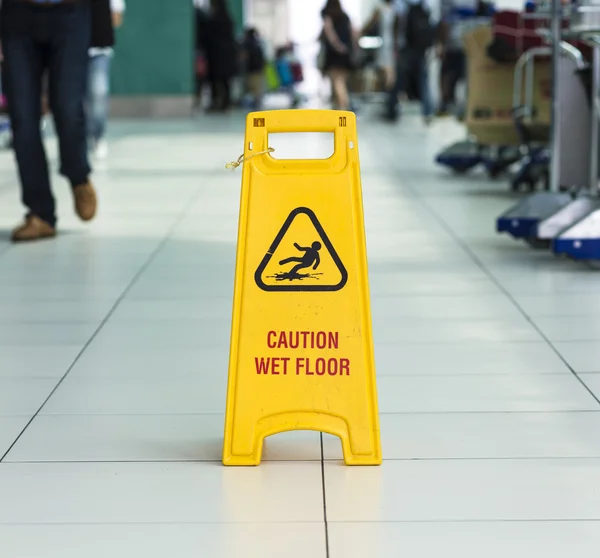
(303,340)
(262,365)
(334,338)
(299,365)
(345,367)
(282,341)
(320,366)
(309,372)
(332,367)
(275,366)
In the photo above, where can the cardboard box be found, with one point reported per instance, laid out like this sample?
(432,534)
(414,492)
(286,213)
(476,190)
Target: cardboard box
(490,94)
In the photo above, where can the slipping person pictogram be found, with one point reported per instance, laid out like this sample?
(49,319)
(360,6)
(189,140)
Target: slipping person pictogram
(310,258)
(313,263)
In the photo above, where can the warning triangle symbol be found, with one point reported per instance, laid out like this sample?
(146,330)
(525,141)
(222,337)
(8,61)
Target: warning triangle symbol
(301,258)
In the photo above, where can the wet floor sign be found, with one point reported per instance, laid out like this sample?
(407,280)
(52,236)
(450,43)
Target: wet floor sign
(301,354)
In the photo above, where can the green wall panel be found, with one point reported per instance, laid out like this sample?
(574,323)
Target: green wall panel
(154,52)
(237,12)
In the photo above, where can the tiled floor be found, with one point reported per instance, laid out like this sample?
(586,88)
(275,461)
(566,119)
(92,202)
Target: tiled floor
(113,364)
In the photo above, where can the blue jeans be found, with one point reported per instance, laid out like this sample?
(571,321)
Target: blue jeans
(52,40)
(98,95)
(411,66)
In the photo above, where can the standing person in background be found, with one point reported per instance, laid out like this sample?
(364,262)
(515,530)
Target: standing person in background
(38,38)
(254,63)
(339,46)
(386,19)
(417,37)
(202,24)
(106,16)
(452,57)
(221,54)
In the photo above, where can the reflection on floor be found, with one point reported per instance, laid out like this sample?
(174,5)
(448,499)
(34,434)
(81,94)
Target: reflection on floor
(113,363)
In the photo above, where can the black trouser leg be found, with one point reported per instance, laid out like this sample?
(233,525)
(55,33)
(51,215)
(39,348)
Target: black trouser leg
(226,88)
(68,80)
(23,68)
(398,87)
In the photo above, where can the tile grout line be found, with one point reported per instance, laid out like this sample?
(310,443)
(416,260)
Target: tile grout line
(217,461)
(118,301)
(465,248)
(324,497)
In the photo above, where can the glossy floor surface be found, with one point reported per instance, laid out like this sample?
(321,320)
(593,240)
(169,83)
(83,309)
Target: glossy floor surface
(113,368)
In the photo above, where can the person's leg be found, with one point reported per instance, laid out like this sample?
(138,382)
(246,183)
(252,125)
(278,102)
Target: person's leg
(389,73)
(23,68)
(339,82)
(69,67)
(226,88)
(391,112)
(424,90)
(445,83)
(98,98)
(255,87)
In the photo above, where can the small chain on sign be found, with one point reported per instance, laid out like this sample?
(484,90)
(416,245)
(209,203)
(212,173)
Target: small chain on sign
(241,159)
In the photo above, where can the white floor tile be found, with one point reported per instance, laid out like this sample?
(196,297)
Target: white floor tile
(484,436)
(62,291)
(145,438)
(147,362)
(430,331)
(551,539)
(215,309)
(444,308)
(10,428)
(581,356)
(21,361)
(592,381)
(468,358)
(570,328)
(46,334)
(160,493)
(464,490)
(479,393)
(567,304)
(53,311)
(552,282)
(24,396)
(158,396)
(213,285)
(436,282)
(209,540)
(206,332)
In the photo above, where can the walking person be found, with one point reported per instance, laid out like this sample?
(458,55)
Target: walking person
(254,65)
(417,38)
(338,36)
(386,19)
(40,37)
(107,15)
(222,55)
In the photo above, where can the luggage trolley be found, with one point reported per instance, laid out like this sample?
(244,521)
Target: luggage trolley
(533,169)
(579,237)
(465,155)
(523,220)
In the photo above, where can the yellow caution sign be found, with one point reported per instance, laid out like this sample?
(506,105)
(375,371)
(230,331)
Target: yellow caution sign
(301,353)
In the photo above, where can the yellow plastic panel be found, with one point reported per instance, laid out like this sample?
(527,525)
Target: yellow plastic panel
(301,353)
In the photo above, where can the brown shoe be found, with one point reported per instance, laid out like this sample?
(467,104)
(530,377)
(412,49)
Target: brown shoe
(33,229)
(85,201)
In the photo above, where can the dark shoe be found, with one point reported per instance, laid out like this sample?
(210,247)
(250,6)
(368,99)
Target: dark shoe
(33,229)
(86,202)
